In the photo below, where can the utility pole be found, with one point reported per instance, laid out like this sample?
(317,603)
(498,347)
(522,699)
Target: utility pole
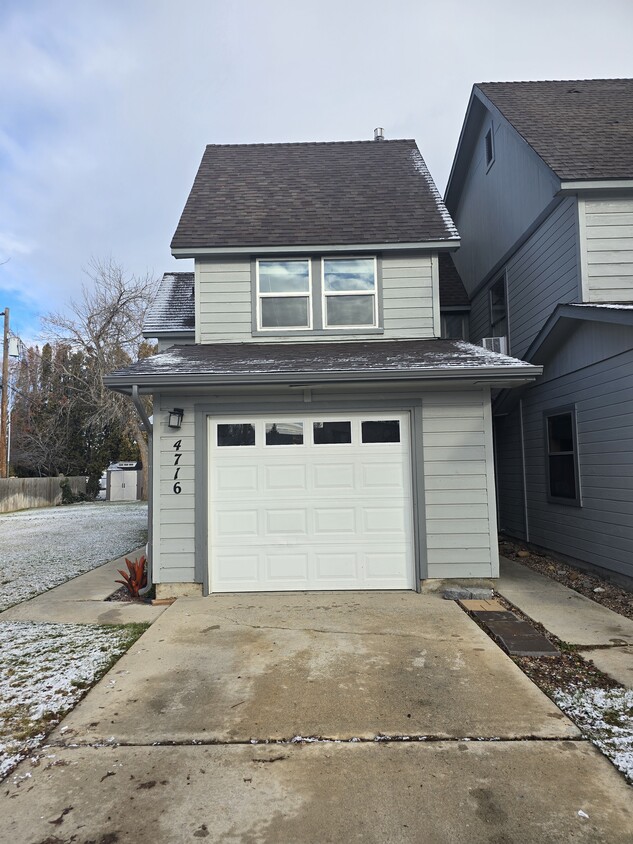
(4,405)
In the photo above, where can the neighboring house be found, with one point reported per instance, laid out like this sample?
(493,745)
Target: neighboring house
(329,438)
(542,192)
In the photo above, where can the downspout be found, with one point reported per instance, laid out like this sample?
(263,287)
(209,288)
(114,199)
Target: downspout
(148,428)
(525,501)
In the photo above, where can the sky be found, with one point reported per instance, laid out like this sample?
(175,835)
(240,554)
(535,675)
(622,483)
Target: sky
(106,105)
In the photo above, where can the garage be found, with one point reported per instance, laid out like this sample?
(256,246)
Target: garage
(310,501)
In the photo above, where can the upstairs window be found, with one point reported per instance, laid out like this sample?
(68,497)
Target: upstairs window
(489,148)
(349,293)
(498,308)
(562,456)
(284,292)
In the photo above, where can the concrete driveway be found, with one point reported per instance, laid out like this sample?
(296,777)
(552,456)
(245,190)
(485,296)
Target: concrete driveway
(321,717)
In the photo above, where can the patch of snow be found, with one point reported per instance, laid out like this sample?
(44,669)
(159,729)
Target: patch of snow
(42,548)
(607,305)
(420,167)
(605,716)
(45,669)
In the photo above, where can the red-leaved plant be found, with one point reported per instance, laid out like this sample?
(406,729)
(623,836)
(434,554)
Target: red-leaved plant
(135,578)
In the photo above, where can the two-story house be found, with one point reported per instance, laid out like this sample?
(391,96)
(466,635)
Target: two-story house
(541,190)
(311,429)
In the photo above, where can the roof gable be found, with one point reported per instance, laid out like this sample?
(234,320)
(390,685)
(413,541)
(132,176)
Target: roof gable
(312,194)
(582,129)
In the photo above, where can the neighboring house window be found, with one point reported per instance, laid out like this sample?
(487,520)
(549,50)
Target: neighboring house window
(284,293)
(454,326)
(499,308)
(349,292)
(489,145)
(561,443)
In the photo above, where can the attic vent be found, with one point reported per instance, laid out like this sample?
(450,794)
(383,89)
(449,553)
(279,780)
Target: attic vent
(574,91)
(496,344)
(379,134)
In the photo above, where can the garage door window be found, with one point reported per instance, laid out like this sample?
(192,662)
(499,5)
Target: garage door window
(284,433)
(332,433)
(381,431)
(242,434)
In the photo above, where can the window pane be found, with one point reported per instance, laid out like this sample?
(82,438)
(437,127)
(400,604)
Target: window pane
(278,312)
(562,476)
(349,274)
(560,432)
(236,434)
(284,277)
(328,433)
(350,310)
(284,433)
(381,431)
(453,326)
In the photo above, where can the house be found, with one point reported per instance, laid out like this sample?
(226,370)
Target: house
(312,430)
(541,190)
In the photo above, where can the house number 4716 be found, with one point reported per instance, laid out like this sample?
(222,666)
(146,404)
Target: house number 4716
(177,455)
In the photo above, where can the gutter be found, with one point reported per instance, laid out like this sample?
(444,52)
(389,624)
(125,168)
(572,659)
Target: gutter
(236,379)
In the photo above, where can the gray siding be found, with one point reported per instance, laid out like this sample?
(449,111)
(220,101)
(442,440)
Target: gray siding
(601,531)
(224,302)
(174,514)
(608,254)
(497,207)
(459,490)
(509,464)
(542,273)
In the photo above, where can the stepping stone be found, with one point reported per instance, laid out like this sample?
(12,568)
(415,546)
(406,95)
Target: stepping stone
(488,605)
(520,638)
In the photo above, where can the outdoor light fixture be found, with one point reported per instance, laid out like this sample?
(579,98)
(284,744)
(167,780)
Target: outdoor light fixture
(175,417)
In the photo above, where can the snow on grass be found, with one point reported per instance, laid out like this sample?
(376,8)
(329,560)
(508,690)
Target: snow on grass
(605,716)
(42,548)
(45,669)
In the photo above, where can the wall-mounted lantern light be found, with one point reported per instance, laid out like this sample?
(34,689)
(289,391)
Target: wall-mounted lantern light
(175,417)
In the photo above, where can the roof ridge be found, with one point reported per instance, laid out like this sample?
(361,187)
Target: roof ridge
(316,143)
(554,81)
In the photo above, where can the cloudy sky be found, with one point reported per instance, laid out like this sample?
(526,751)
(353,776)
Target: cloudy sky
(106,105)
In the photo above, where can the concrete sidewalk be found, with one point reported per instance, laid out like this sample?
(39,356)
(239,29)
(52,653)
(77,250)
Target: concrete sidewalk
(317,717)
(606,636)
(82,600)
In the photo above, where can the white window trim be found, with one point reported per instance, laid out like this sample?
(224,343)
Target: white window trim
(300,295)
(324,294)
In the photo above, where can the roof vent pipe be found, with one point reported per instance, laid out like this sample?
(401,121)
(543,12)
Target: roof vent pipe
(379,134)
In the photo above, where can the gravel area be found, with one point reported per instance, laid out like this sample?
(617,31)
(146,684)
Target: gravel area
(592,586)
(42,548)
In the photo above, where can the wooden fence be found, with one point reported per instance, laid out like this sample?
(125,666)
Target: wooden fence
(22,493)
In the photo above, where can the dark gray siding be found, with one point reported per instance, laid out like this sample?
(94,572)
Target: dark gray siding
(509,467)
(500,203)
(542,273)
(601,531)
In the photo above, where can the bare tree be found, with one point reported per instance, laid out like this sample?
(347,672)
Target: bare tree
(105,324)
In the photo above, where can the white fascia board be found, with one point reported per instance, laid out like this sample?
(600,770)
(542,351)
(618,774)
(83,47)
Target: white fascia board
(184,332)
(449,244)
(598,184)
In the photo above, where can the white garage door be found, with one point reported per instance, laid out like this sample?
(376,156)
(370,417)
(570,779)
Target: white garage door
(310,502)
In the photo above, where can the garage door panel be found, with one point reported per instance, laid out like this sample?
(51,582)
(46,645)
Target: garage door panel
(334,520)
(333,476)
(384,519)
(306,516)
(285,476)
(285,521)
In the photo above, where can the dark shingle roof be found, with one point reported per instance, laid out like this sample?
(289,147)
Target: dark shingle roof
(581,129)
(173,308)
(452,291)
(349,192)
(211,363)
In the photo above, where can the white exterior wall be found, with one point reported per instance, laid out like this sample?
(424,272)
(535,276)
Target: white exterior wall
(607,249)
(461,521)
(224,302)
(174,514)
